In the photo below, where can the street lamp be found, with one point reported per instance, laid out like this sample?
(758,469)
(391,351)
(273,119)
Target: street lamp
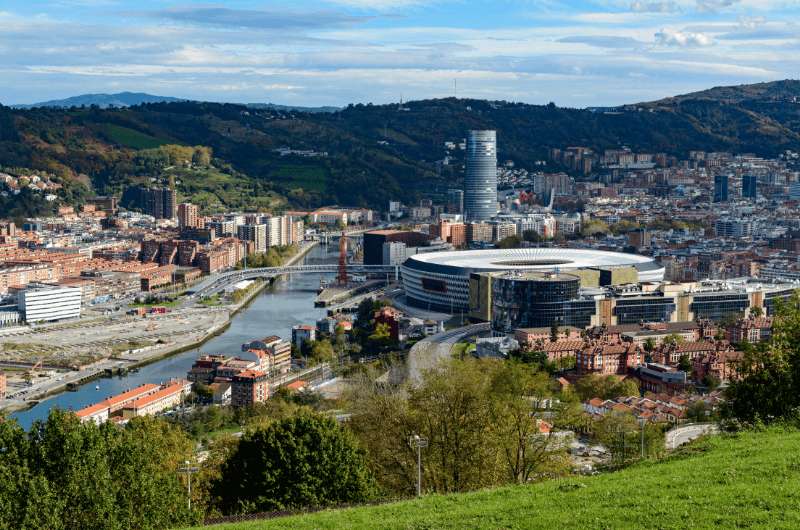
(642,423)
(418,442)
(189,470)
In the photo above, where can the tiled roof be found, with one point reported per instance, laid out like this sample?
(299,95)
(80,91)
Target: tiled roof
(172,389)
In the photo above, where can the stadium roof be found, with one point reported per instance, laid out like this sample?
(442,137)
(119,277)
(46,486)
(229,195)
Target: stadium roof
(526,259)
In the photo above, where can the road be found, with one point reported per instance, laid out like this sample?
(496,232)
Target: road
(430,351)
(686,433)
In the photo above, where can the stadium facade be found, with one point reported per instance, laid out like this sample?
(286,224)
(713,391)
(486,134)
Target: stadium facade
(441,280)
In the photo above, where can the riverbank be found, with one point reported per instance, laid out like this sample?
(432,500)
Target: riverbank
(214,321)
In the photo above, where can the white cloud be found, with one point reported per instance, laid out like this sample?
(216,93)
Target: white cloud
(684,39)
(655,6)
(715,5)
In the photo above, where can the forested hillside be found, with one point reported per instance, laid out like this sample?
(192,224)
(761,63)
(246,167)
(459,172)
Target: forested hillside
(365,154)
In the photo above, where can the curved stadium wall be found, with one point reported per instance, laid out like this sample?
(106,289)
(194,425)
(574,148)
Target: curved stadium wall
(439,281)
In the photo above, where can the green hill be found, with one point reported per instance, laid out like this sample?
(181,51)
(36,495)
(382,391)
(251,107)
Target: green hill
(364,155)
(748,481)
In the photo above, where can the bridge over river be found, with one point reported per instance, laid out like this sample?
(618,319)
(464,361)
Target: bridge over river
(218,282)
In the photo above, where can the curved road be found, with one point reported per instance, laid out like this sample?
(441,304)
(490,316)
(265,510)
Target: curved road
(430,351)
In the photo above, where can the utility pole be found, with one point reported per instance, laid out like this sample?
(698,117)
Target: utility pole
(189,470)
(418,442)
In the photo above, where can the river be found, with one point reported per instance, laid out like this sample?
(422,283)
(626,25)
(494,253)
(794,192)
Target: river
(274,311)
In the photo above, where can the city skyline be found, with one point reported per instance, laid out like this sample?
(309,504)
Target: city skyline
(602,52)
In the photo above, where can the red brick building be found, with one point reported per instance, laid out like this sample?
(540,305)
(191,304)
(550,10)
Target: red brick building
(249,387)
(608,359)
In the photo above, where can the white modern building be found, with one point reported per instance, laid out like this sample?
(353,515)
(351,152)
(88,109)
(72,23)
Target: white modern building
(46,303)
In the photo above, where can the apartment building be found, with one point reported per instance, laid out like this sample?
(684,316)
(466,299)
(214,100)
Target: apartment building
(249,387)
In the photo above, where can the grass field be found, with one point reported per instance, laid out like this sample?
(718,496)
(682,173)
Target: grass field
(748,481)
(310,178)
(130,137)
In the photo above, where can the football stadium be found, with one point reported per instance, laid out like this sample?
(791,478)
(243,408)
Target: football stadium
(441,280)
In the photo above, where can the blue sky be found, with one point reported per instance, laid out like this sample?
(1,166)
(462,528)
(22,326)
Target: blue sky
(334,52)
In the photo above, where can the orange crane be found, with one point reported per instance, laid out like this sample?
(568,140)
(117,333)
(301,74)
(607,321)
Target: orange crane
(342,276)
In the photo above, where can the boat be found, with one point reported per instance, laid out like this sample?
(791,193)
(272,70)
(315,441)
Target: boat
(97,387)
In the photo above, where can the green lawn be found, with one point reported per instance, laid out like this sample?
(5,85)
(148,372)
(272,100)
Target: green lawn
(130,137)
(310,178)
(748,481)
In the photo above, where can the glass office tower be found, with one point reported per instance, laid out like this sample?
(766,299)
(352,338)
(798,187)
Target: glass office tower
(480,182)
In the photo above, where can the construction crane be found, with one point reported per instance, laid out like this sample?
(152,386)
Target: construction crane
(342,278)
(32,372)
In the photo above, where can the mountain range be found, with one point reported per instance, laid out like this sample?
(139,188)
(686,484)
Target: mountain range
(363,155)
(130,99)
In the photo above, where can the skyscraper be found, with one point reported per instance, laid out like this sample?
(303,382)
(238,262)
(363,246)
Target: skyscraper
(720,188)
(480,182)
(455,201)
(750,186)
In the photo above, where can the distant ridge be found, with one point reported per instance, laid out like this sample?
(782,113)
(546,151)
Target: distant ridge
(290,108)
(130,99)
(122,99)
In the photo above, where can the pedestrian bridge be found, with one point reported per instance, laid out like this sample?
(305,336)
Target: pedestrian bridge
(217,282)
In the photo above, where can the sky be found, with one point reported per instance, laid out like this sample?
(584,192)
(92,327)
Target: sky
(334,52)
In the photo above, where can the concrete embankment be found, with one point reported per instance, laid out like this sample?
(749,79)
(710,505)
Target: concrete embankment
(219,319)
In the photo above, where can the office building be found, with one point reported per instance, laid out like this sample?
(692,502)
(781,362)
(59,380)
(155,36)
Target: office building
(721,188)
(46,303)
(534,299)
(750,186)
(188,216)
(480,181)
(455,201)
(733,228)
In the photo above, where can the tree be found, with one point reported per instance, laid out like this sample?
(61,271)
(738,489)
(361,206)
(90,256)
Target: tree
(673,339)
(68,474)
(684,364)
(711,381)
(594,227)
(201,156)
(509,242)
(756,312)
(381,338)
(299,462)
(479,417)
(516,394)
(605,387)
(322,351)
(621,433)
(553,332)
(531,236)
(768,384)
